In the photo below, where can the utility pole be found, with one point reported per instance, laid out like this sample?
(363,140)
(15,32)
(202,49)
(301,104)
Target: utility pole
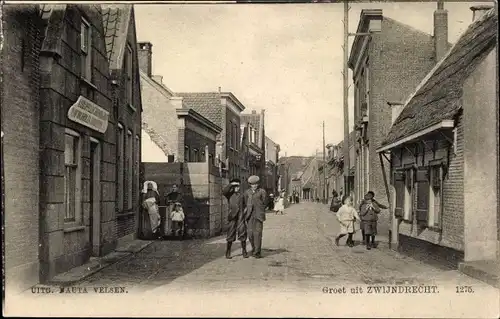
(345,73)
(324,166)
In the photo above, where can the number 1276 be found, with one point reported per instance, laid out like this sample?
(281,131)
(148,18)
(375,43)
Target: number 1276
(464,290)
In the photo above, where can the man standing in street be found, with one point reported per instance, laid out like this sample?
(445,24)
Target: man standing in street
(255,200)
(236,217)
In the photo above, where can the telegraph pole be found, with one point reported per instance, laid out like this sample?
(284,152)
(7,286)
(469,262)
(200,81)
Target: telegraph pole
(324,166)
(345,73)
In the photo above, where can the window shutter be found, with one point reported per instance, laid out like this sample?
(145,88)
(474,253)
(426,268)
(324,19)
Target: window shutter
(422,196)
(399,185)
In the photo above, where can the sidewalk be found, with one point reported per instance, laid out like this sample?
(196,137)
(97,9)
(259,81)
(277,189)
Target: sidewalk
(96,264)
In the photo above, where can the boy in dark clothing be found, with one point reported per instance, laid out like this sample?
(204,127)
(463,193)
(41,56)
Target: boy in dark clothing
(368,213)
(369,196)
(236,217)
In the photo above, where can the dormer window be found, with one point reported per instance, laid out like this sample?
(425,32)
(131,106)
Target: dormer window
(86,53)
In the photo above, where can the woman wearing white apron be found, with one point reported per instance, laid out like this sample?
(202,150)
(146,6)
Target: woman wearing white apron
(151,215)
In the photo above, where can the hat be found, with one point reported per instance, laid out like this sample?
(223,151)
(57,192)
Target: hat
(253,179)
(235,180)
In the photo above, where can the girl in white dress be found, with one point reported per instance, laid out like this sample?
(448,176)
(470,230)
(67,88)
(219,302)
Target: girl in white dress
(279,206)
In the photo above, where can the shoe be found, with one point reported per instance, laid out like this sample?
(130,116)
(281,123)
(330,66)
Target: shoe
(368,247)
(244,249)
(258,255)
(374,245)
(228,250)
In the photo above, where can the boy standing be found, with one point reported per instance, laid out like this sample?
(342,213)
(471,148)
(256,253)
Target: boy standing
(368,212)
(236,217)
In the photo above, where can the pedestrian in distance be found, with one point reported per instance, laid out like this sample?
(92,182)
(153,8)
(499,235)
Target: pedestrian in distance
(255,200)
(236,217)
(279,206)
(346,216)
(368,212)
(336,202)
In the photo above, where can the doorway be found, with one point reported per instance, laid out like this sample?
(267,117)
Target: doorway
(95,197)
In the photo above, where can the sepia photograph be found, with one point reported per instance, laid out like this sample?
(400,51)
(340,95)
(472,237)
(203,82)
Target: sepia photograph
(321,158)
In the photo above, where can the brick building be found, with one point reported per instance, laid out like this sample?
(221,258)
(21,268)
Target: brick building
(122,52)
(254,124)
(222,109)
(20,144)
(272,150)
(444,154)
(89,133)
(172,130)
(386,66)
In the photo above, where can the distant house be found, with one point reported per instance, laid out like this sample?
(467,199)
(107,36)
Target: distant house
(386,67)
(271,170)
(254,123)
(290,170)
(444,153)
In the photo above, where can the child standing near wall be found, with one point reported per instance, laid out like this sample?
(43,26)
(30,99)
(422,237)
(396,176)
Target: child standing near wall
(177,216)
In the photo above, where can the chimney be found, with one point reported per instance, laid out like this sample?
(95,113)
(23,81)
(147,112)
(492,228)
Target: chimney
(220,90)
(145,54)
(440,31)
(254,112)
(479,11)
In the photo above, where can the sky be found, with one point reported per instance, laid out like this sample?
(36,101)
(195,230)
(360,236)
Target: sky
(284,58)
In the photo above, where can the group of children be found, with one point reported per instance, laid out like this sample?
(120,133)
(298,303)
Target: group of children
(347,215)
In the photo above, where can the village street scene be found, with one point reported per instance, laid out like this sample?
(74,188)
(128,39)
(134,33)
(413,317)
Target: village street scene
(315,159)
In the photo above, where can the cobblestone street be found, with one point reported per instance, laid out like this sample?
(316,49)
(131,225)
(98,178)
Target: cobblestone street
(193,278)
(299,253)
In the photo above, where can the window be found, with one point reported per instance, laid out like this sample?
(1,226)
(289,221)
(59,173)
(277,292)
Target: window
(235,137)
(136,167)
(129,73)
(186,153)
(195,155)
(130,177)
(211,159)
(435,196)
(423,187)
(86,53)
(399,186)
(367,88)
(408,203)
(120,168)
(72,178)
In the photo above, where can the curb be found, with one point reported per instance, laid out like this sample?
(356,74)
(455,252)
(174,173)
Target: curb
(94,265)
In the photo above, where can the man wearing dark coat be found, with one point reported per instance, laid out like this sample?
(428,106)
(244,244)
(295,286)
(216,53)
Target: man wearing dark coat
(236,217)
(255,201)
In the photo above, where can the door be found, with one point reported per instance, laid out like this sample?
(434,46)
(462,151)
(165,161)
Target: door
(95,197)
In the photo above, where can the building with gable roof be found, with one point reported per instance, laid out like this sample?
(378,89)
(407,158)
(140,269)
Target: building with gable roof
(174,130)
(122,52)
(386,67)
(444,155)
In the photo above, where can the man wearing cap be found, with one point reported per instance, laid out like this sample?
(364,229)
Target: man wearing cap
(236,217)
(255,200)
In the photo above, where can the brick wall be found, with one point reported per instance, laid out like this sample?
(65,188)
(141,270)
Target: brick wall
(128,113)
(20,124)
(203,203)
(61,84)
(399,58)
